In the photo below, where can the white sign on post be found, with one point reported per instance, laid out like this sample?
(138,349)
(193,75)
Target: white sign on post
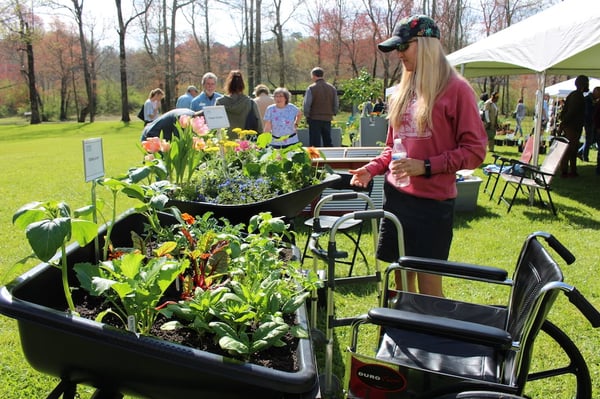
(215,117)
(93,159)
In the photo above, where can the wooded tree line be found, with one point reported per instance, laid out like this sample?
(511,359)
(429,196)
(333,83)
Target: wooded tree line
(54,63)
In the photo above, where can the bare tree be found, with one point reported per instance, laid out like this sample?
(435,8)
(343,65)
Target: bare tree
(122,31)
(383,20)
(315,17)
(200,7)
(277,30)
(90,108)
(18,21)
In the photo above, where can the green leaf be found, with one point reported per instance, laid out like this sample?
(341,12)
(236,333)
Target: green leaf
(47,236)
(299,332)
(130,265)
(85,273)
(229,343)
(270,331)
(159,201)
(83,231)
(29,213)
(171,326)
(84,212)
(134,191)
(101,285)
(139,174)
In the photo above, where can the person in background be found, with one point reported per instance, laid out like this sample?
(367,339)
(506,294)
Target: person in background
(185,100)
(165,124)
(262,98)
(281,119)
(241,111)
(379,107)
(490,115)
(367,109)
(519,116)
(572,119)
(321,104)
(596,125)
(482,99)
(584,151)
(434,112)
(209,95)
(152,105)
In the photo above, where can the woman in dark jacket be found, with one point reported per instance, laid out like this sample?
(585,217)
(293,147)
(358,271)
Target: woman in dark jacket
(241,110)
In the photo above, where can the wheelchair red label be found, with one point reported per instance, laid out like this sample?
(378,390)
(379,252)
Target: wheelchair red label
(374,380)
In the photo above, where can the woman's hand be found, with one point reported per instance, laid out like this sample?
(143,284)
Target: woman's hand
(361,177)
(407,167)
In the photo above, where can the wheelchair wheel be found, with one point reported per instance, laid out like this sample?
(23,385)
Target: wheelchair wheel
(567,366)
(479,395)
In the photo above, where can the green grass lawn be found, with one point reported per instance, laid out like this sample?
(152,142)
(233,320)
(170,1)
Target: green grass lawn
(45,162)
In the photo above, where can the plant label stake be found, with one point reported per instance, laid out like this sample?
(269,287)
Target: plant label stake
(93,163)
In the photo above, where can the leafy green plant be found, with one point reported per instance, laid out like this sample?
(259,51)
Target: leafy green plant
(133,284)
(255,289)
(49,226)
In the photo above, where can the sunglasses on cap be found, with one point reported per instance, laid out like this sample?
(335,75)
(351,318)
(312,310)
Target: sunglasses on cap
(404,46)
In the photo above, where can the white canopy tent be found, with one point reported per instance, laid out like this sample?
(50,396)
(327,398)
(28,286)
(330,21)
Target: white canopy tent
(563,89)
(561,40)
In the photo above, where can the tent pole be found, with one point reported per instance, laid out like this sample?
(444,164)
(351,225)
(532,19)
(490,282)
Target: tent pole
(537,132)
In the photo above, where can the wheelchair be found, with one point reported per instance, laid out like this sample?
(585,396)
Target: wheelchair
(430,347)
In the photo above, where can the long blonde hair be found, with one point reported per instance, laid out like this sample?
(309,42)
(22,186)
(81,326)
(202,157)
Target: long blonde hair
(430,77)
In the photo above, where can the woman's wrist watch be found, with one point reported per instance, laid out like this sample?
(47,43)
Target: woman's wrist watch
(427,168)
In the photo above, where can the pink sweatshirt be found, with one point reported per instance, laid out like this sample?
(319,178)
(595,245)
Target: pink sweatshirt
(457,141)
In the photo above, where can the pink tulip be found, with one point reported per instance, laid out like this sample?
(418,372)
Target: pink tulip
(165,146)
(199,126)
(151,145)
(184,121)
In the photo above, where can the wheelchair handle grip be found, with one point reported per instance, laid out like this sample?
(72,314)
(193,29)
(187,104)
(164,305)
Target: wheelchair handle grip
(561,249)
(584,306)
(557,246)
(344,196)
(366,215)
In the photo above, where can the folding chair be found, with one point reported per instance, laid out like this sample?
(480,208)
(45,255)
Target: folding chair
(506,165)
(537,178)
(343,196)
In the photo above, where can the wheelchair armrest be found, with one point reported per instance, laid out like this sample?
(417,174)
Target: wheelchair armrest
(453,269)
(441,326)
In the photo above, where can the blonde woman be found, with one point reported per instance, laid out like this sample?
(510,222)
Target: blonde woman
(152,105)
(434,112)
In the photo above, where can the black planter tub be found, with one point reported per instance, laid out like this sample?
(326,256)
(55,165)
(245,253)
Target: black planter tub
(287,205)
(82,351)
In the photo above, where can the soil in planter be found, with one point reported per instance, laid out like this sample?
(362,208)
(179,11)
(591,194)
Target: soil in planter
(278,358)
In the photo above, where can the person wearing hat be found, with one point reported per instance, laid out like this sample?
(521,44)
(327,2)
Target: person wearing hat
(185,100)
(434,111)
